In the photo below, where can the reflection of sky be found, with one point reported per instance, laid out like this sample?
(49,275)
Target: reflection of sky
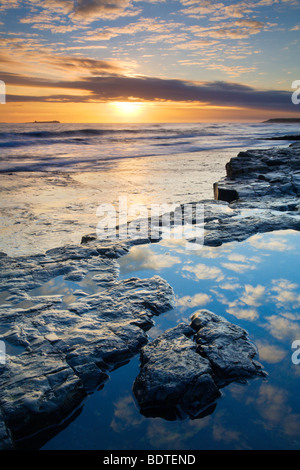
(263,298)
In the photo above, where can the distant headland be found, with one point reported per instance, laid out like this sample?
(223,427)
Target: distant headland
(283,121)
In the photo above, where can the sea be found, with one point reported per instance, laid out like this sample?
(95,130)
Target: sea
(53,177)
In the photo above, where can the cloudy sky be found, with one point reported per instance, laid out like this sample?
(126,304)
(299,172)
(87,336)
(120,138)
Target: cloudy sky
(149,61)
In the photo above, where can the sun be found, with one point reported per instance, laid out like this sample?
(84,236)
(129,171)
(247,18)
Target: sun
(127,108)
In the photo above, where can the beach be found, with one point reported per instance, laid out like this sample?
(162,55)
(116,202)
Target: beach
(60,297)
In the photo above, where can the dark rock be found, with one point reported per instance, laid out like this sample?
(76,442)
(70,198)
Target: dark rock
(173,375)
(224,194)
(66,349)
(285,137)
(183,370)
(227,348)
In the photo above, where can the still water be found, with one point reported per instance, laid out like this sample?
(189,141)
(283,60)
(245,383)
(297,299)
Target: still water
(254,284)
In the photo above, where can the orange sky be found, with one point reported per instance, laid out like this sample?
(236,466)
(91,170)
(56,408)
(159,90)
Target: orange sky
(120,113)
(181,61)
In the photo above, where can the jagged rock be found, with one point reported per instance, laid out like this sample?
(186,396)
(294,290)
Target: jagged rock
(226,346)
(174,375)
(267,183)
(183,370)
(37,391)
(66,349)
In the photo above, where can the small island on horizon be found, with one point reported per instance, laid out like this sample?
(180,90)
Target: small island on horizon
(45,122)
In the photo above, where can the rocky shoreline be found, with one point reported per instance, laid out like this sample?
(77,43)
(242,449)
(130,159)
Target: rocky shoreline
(59,351)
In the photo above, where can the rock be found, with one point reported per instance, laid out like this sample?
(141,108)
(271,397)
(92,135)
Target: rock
(67,340)
(174,379)
(65,349)
(37,391)
(227,348)
(285,137)
(224,194)
(183,370)
(262,187)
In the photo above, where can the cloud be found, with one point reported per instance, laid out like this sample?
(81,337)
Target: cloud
(243,313)
(104,81)
(104,9)
(253,296)
(283,328)
(196,300)
(273,404)
(229,286)
(145,259)
(270,353)
(273,243)
(285,297)
(238,267)
(201,271)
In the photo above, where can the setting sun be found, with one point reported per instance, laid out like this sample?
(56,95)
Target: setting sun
(126,108)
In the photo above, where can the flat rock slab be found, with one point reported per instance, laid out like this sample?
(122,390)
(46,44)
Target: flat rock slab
(58,350)
(183,370)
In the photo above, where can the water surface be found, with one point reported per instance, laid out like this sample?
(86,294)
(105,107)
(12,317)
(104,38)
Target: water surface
(254,284)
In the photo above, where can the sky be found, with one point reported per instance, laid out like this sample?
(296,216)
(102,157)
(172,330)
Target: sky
(107,61)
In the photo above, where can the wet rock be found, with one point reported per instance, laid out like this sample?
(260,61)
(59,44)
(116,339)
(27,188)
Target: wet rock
(6,442)
(37,391)
(225,194)
(267,183)
(183,370)
(227,348)
(173,375)
(65,345)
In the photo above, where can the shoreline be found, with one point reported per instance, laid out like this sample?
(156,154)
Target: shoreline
(51,338)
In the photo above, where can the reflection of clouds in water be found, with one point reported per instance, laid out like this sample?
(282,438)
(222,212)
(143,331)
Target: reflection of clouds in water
(274,242)
(272,404)
(143,258)
(182,247)
(285,293)
(238,267)
(249,298)
(162,436)
(196,300)
(238,307)
(125,415)
(253,296)
(270,353)
(243,313)
(201,271)
(230,287)
(223,433)
(283,328)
